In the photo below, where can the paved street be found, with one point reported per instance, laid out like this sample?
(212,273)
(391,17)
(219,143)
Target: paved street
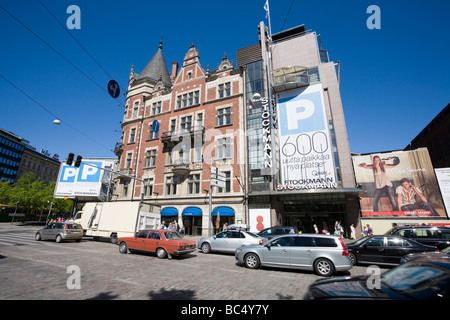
(32,269)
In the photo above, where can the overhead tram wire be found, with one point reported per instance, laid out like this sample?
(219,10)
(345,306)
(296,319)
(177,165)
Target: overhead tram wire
(75,39)
(58,53)
(52,114)
(287,15)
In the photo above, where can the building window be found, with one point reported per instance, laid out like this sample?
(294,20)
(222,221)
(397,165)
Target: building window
(186,123)
(227,183)
(188,99)
(125,188)
(224,90)
(156,108)
(224,116)
(152,134)
(224,148)
(171,186)
(150,158)
(132,135)
(173,125)
(135,109)
(128,160)
(199,121)
(169,156)
(194,184)
(198,152)
(148,187)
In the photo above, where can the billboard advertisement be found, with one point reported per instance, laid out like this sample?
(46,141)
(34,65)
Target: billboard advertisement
(86,181)
(398,184)
(306,152)
(259,219)
(443,177)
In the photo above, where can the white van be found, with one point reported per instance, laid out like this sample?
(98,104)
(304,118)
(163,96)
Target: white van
(117,219)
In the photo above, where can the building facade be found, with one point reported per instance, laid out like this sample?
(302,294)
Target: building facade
(175,127)
(435,137)
(11,150)
(41,164)
(299,163)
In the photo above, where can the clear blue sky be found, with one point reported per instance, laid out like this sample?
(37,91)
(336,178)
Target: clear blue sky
(394,81)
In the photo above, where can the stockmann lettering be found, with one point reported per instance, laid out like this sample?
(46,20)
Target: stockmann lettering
(267,140)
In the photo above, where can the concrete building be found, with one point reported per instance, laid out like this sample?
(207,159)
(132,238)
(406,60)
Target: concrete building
(299,163)
(174,126)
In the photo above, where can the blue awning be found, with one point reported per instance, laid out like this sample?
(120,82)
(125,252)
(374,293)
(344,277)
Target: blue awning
(192,211)
(223,211)
(169,211)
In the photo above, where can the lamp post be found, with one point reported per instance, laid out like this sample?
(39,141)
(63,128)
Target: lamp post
(14,215)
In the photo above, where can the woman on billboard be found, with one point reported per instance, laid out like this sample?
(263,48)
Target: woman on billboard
(382,182)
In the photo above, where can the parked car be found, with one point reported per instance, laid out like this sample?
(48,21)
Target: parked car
(438,236)
(324,254)
(60,231)
(272,232)
(421,279)
(165,243)
(444,254)
(228,241)
(384,249)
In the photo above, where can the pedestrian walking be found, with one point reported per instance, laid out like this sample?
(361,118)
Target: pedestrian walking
(352,231)
(316,230)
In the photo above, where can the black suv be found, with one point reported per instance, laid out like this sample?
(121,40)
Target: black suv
(272,232)
(438,236)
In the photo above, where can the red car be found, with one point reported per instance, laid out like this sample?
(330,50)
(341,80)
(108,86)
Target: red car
(165,243)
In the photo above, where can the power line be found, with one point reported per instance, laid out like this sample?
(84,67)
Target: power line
(285,19)
(57,52)
(75,39)
(51,113)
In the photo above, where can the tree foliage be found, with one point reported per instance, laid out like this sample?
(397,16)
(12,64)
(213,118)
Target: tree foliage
(32,195)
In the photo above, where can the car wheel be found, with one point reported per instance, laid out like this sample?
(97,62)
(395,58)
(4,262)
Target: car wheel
(123,248)
(353,258)
(58,238)
(251,261)
(161,253)
(114,238)
(38,237)
(324,267)
(206,247)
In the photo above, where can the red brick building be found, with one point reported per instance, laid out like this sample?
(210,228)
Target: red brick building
(173,124)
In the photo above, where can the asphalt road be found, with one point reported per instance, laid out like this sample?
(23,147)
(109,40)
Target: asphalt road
(95,270)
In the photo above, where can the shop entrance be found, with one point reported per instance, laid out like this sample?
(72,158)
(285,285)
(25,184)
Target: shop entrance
(322,210)
(192,225)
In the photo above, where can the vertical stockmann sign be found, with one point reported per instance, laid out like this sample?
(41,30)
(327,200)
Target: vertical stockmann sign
(306,158)
(85,181)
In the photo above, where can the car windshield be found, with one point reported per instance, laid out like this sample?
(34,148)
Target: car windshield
(172,235)
(419,282)
(358,242)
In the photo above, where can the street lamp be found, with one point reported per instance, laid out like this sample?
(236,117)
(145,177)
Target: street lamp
(14,215)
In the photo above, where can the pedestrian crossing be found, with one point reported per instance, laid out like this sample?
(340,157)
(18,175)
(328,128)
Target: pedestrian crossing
(10,239)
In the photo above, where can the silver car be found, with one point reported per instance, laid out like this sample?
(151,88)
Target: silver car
(60,231)
(324,254)
(228,241)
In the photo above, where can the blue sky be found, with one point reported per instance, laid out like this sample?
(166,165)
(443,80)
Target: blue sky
(394,81)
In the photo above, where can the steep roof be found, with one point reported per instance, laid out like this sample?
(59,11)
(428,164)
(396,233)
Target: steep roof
(156,68)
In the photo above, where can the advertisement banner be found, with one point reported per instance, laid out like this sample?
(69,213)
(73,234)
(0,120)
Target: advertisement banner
(398,184)
(443,178)
(259,219)
(85,181)
(306,157)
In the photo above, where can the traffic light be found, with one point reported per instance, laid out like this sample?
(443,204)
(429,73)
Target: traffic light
(78,161)
(70,159)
